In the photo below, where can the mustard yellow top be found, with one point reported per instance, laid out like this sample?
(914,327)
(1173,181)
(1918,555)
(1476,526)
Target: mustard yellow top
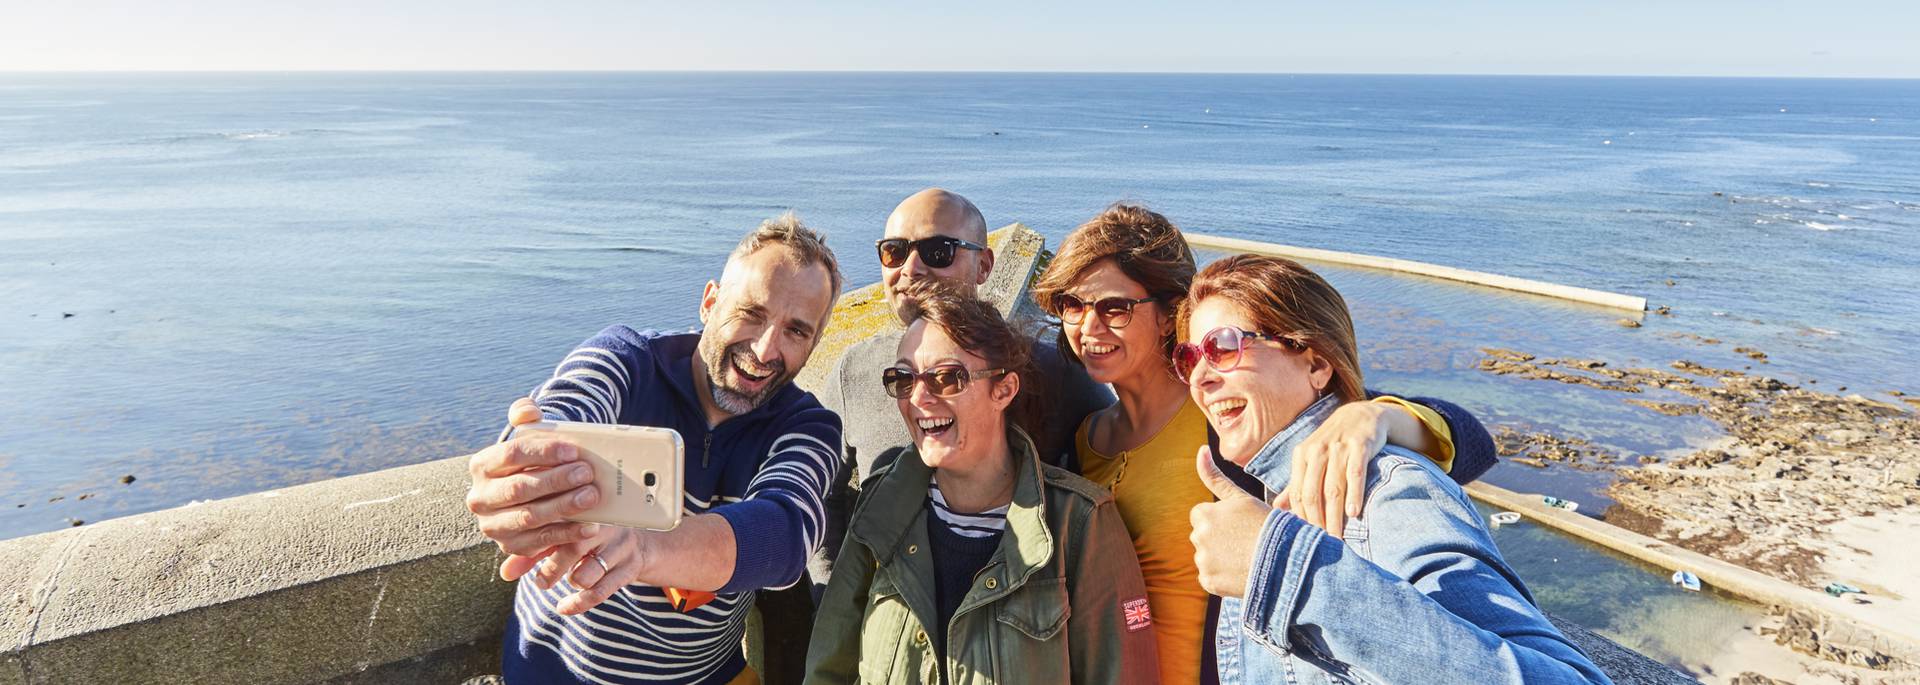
(1155,486)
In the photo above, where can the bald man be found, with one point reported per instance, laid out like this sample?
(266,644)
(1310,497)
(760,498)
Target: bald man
(935,234)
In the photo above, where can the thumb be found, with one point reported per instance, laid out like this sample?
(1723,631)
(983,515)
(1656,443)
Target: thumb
(524,411)
(1215,480)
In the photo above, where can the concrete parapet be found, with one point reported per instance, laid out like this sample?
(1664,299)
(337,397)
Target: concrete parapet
(331,581)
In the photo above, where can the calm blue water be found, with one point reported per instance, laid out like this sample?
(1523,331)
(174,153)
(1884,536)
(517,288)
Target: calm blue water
(278,279)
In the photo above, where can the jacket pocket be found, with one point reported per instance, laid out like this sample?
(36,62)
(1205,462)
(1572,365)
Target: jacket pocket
(1038,609)
(1029,642)
(881,631)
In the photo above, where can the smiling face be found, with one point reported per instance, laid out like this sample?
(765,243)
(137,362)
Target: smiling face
(762,320)
(1264,393)
(1117,355)
(930,213)
(955,432)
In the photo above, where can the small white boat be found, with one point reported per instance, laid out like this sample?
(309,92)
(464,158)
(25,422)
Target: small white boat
(1504,518)
(1686,580)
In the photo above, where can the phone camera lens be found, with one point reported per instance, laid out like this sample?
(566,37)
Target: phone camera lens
(650,479)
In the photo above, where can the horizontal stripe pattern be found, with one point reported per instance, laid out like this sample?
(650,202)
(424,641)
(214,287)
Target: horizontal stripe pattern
(779,518)
(985,524)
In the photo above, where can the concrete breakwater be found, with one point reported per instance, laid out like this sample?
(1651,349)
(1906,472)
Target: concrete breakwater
(379,577)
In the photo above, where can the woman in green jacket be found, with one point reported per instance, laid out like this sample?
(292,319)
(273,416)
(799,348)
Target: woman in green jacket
(968,561)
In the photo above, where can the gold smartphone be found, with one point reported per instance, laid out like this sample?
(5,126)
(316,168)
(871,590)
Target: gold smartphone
(638,469)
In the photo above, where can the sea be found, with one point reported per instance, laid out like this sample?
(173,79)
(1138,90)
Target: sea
(220,283)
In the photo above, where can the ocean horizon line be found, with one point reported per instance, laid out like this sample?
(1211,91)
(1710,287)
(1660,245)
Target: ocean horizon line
(1010,72)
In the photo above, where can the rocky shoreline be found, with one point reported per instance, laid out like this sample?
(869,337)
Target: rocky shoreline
(1794,463)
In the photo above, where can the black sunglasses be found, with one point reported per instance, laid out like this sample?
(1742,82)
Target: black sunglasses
(936,252)
(1115,312)
(945,380)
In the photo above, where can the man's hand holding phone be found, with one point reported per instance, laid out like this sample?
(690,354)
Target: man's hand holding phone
(525,489)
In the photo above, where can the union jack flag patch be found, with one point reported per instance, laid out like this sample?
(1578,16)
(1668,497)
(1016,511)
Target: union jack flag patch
(1139,615)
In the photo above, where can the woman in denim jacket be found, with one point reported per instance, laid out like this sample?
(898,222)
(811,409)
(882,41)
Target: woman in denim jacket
(1414,590)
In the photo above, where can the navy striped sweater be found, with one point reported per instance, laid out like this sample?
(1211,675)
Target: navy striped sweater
(765,471)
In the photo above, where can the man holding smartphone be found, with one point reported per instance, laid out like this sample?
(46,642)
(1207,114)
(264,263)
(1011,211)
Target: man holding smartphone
(760,456)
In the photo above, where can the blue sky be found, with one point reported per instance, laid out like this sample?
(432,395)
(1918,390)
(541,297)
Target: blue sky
(1876,38)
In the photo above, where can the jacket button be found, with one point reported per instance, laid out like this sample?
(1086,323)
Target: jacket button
(920,638)
(912,548)
(992,583)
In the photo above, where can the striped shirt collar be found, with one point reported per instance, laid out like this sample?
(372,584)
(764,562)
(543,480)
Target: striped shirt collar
(981,525)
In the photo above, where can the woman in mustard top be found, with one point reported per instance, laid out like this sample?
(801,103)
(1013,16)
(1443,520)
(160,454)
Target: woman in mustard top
(1115,285)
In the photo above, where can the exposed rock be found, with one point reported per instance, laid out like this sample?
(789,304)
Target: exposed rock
(1509,355)
(1811,633)
(1668,408)
(1537,449)
(1629,323)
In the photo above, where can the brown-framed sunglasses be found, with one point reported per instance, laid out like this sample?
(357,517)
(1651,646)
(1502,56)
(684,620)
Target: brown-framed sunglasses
(945,380)
(1115,312)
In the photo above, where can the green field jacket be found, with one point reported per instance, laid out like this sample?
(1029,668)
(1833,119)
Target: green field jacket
(1061,601)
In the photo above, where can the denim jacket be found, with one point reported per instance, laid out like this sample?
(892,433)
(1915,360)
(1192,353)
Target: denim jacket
(1414,592)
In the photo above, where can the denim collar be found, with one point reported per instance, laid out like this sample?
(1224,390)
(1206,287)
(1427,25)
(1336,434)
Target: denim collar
(1273,464)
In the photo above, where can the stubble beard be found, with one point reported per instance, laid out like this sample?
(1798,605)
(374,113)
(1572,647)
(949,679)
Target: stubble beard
(720,371)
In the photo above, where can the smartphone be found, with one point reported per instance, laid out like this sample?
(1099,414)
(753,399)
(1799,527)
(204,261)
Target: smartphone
(638,469)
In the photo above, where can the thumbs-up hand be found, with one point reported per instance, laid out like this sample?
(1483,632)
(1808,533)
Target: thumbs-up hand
(1225,533)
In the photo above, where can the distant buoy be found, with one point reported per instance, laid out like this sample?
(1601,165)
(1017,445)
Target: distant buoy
(1606,142)
(1783,109)
(1143,126)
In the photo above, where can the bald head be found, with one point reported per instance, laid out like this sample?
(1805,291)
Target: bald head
(943,211)
(935,213)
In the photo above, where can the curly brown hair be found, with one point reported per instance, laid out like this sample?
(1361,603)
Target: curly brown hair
(1146,246)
